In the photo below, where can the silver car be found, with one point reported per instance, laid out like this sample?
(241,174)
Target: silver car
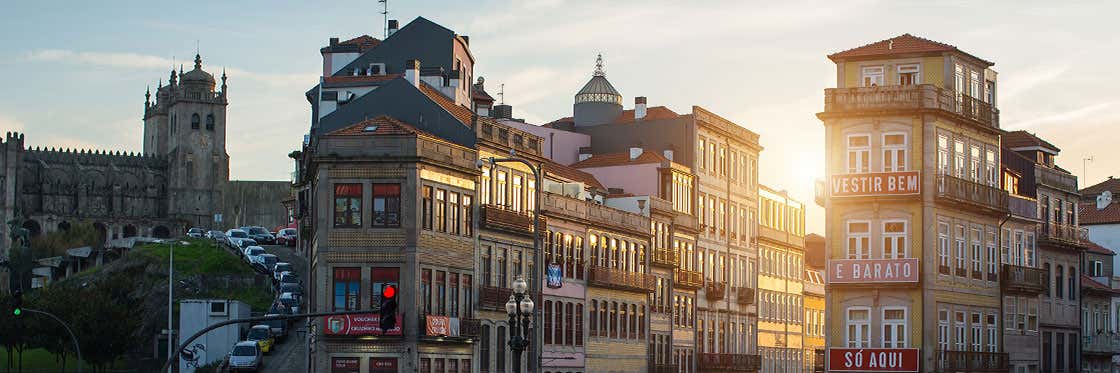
(245,357)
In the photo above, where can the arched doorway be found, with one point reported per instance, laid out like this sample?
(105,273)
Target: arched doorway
(63,225)
(33,228)
(161,232)
(102,232)
(129,231)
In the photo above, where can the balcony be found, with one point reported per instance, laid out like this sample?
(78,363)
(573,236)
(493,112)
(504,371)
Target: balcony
(500,218)
(971,361)
(1102,343)
(1022,206)
(1023,280)
(907,99)
(621,280)
(971,193)
(663,368)
(715,291)
(493,298)
(686,279)
(744,295)
(1062,234)
(665,257)
(1057,179)
(728,362)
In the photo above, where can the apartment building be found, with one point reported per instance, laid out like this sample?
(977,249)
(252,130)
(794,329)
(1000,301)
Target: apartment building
(781,298)
(1022,278)
(913,209)
(1100,343)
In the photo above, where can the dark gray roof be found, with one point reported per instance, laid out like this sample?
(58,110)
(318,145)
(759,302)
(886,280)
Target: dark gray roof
(420,39)
(401,100)
(599,89)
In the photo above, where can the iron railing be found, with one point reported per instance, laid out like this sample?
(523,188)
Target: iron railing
(971,361)
(619,279)
(687,279)
(910,97)
(1025,280)
(971,192)
(715,290)
(729,362)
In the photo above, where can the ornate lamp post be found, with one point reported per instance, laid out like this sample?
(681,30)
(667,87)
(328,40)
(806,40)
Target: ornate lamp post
(520,310)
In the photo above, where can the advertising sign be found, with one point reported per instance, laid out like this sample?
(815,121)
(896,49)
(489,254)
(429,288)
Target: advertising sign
(345,365)
(361,324)
(876,184)
(382,365)
(438,325)
(873,359)
(555,276)
(860,271)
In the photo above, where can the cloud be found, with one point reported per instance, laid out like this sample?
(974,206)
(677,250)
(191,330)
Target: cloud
(1066,116)
(1018,82)
(142,61)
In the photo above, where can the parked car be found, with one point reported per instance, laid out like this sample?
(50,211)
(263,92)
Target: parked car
(262,334)
(281,267)
(245,356)
(294,289)
(289,300)
(286,236)
(290,278)
(265,262)
(245,243)
(279,309)
(237,233)
(195,232)
(215,235)
(279,328)
(253,254)
(260,234)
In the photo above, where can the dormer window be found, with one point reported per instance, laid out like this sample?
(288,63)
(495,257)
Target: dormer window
(376,69)
(909,74)
(872,76)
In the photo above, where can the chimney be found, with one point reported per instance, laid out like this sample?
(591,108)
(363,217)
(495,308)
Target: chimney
(635,153)
(639,107)
(584,153)
(412,72)
(393,26)
(334,41)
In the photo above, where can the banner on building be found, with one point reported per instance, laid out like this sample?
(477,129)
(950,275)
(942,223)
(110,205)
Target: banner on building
(876,184)
(437,325)
(360,324)
(555,276)
(861,271)
(873,359)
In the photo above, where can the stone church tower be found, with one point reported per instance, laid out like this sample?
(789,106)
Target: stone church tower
(187,124)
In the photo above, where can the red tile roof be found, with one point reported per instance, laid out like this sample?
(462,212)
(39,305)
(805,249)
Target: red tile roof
(656,112)
(1088,214)
(1088,283)
(619,159)
(572,174)
(1111,184)
(1023,139)
(381,125)
(559,122)
(460,112)
(902,44)
(363,42)
(1098,249)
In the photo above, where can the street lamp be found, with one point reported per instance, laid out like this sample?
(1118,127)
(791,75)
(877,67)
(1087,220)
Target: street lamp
(520,310)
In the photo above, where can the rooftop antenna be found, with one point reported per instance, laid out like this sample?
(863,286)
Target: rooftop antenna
(196,46)
(502,94)
(1085,169)
(385,15)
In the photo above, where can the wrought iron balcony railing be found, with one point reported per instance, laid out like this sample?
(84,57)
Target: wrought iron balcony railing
(493,298)
(687,279)
(971,193)
(715,290)
(1025,280)
(744,295)
(729,362)
(971,361)
(500,218)
(1065,233)
(665,257)
(909,97)
(622,280)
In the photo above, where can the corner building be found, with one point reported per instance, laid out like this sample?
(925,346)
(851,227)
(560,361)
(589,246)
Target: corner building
(913,207)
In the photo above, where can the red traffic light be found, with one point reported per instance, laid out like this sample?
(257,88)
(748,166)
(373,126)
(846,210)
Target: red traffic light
(389,292)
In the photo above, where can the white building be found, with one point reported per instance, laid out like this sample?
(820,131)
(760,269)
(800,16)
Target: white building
(1099,211)
(196,314)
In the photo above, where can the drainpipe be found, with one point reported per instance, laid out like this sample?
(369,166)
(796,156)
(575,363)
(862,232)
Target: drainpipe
(999,272)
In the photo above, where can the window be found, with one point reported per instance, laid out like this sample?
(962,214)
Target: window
(346,288)
(990,92)
(991,167)
(386,205)
(453,211)
(859,237)
(909,74)
(894,239)
(1073,283)
(961,254)
(484,349)
(1010,312)
(977,332)
(440,210)
(1097,268)
(500,192)
(959,155)
(195,120)
(974,84)
(453,294)
(484,186)
(1058,287)
(977,253)
(975,170)
(210,122)
(440,296)
(531,196)
(943,330)
(959,331)
(872,76)
(516,193)
(894,152)
(347,205)
(379,278)
(501,349)
(468,216)
(426,208)
(894,327)
(993,332)
(943,247)
(859,153)
(426,290)
(942,155)
(1032,314)
(993,262)
(858,332)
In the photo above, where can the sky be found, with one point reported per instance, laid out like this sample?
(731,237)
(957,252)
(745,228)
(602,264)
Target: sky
(76,72)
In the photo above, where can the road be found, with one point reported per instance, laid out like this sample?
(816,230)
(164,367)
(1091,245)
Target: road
(290,356)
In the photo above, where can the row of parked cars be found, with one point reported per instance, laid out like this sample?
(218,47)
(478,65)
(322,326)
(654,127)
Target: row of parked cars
(285,236)
(262,338)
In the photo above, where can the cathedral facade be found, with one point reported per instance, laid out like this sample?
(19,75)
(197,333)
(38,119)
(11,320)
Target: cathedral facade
(180,180)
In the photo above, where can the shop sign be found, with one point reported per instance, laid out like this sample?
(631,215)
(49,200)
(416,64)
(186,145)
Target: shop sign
(859,271)
(873,359)
(359,324)
(345,365)
(382,365)
(876,184)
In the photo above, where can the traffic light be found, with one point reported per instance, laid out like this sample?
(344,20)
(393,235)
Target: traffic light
(388,310)
(17,302)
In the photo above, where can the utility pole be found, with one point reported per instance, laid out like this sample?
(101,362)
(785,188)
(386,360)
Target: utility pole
(385,16)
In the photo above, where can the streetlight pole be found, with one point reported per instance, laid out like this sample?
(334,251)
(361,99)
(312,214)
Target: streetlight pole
(538,256)
(74,339)
(170,302)
(519,307)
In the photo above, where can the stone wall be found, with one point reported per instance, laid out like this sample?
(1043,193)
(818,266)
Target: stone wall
(254,203)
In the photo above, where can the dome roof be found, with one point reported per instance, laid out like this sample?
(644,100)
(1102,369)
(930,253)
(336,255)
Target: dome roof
(197,75)
(599,89)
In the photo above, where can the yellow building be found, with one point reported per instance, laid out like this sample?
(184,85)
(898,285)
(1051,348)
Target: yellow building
(912,162)
(813,337)
(781,258)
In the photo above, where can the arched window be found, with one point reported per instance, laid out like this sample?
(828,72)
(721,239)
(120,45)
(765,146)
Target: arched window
(195,120)
(210,122)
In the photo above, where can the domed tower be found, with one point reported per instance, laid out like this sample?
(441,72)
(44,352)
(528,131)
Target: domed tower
(597,102)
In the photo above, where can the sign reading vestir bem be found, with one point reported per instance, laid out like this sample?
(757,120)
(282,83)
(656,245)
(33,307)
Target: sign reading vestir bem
(876,184)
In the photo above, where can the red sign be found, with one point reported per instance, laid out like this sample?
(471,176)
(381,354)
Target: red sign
(360,324)
(877,184)
(873,359)
(382,365)
(438,325)
(858,271)
(345,365)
